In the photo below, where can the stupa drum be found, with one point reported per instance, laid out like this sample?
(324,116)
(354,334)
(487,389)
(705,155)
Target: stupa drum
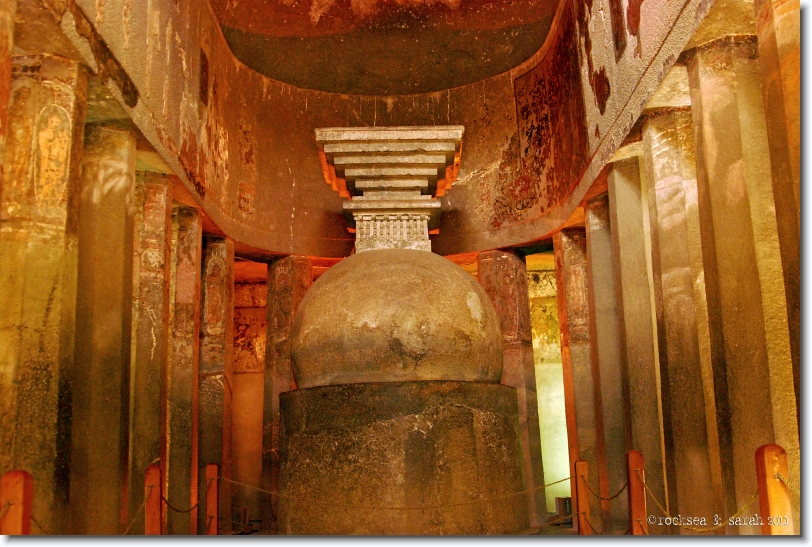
(395,315)
(399,423)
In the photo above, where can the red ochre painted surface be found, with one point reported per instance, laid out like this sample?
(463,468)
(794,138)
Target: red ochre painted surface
(243,143)
(552,146)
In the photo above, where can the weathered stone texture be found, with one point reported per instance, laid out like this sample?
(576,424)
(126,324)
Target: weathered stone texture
(393,315)
(399,444)
(100,382)
(607,366)
(39,253)
(289,279)
(150,328)
(580,380)
(738,219)
(250,331)
(215,369)
(630,227)
(251,137)
(779,53)
(689,403)
(250,295)
(179,395)
(250,326)
(503,276)
(7,11)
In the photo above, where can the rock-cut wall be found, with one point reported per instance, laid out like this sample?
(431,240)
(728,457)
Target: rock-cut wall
(243,144)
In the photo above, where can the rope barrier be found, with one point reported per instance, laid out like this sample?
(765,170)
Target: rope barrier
(642,526)
(396,508)
(590,524)
(41,529)
(5,509)
(781,477)
(736,515)
(192,508)
(622,488)
(138,512)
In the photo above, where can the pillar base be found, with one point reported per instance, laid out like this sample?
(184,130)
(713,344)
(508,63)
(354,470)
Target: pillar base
(402,444)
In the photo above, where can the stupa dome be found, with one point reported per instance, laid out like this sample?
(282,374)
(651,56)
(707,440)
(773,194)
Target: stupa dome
(395,315)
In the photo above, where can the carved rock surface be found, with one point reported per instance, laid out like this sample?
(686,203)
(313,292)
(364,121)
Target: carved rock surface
(354,455)
(395,315)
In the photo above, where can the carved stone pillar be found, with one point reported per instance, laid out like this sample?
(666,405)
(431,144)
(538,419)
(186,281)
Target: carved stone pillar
(179,394)
(779,52)
(630,227)
(607,366)
(742,256)
(689,401)
(215,372)
(503,275)
(250,335)
(100,383)
(581,382)
(39,253)
(152,250)
(7,12)
(289,279)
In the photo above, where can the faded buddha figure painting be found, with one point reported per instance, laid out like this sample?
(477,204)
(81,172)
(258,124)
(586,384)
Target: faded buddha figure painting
(400,267)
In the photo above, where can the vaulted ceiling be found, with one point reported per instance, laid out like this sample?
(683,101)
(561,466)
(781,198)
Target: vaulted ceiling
(383,47)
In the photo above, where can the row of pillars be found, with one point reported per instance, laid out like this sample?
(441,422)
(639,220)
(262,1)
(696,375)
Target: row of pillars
(774,493)
(679,302)
(117,338)
(117,342)
(774,515)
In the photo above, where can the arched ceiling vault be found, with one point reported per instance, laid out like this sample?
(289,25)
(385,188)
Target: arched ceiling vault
(384,47)
(538,131)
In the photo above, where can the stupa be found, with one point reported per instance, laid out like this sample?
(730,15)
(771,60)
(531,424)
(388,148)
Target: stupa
(399,423)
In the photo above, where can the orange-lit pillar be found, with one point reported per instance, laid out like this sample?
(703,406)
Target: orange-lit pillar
(744,271)
(503,275)
(779,53)
(38,254)
(99,378)
(630,226)
(215,369)
(289,279)
(686,360)
(179,391)
(580,382)
(7,12)
(607,365)
(150,328)
(250,332)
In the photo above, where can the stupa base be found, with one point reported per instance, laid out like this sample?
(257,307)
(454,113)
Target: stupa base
(351,453)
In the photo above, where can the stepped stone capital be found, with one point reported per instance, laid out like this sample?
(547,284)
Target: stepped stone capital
(391,178)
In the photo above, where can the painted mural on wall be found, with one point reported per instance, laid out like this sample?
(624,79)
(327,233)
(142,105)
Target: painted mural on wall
(41,140)
(536,136)
(51,156)
(552,146)
(214,307)
(250,321)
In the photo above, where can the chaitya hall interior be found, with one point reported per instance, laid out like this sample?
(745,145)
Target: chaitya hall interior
(400,267)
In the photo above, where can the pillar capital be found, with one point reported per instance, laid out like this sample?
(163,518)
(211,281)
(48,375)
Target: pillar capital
(391,177)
